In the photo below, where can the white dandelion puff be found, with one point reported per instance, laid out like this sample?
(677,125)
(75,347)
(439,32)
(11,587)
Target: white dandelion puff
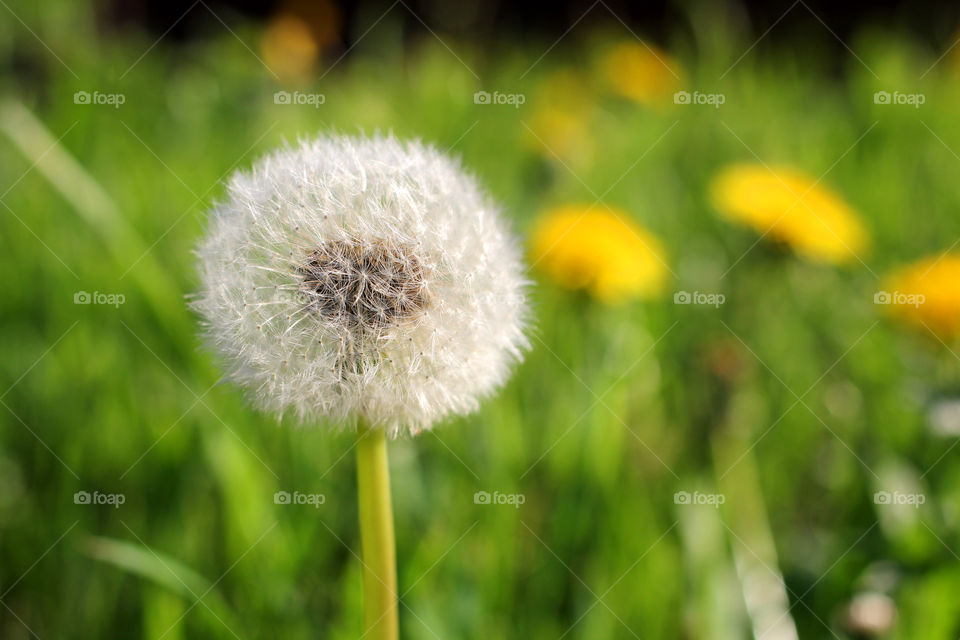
(352,278)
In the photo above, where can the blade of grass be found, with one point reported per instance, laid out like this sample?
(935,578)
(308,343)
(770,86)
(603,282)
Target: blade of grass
(162,570)
(95,206)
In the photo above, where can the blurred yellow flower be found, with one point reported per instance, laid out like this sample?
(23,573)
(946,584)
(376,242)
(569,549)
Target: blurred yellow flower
(565,87)
(599,250)
(559,132)
(297,35)
(640,72)
(926,293)
(559,125)
(791,208)
(289,48)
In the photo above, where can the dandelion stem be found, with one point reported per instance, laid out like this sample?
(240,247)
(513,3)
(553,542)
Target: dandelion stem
(376,532)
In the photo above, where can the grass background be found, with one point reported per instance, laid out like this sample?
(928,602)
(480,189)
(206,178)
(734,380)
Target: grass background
(796,399)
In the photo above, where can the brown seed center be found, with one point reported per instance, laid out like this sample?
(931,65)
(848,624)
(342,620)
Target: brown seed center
(368,285)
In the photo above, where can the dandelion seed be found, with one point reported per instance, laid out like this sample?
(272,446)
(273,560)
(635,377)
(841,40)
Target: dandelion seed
(377,270)
(369,282)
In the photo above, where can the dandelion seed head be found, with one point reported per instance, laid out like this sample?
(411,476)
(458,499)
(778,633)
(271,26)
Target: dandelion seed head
(368,285)
(349,278)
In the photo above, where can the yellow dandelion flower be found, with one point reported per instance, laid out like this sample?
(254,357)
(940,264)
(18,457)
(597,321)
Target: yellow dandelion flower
(926,294)
(790,207)
(600,251)
(640,72)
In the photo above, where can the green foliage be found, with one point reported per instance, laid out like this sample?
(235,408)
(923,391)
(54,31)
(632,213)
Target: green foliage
(797,375)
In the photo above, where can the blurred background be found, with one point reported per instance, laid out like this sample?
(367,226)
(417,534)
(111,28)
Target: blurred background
(739,414)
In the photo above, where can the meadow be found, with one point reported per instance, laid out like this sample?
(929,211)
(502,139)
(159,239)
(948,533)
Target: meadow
(772,456)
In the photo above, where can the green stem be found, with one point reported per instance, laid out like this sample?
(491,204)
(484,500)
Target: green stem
(376,532)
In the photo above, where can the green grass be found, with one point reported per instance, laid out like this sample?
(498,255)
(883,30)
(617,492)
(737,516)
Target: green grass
(613,411)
